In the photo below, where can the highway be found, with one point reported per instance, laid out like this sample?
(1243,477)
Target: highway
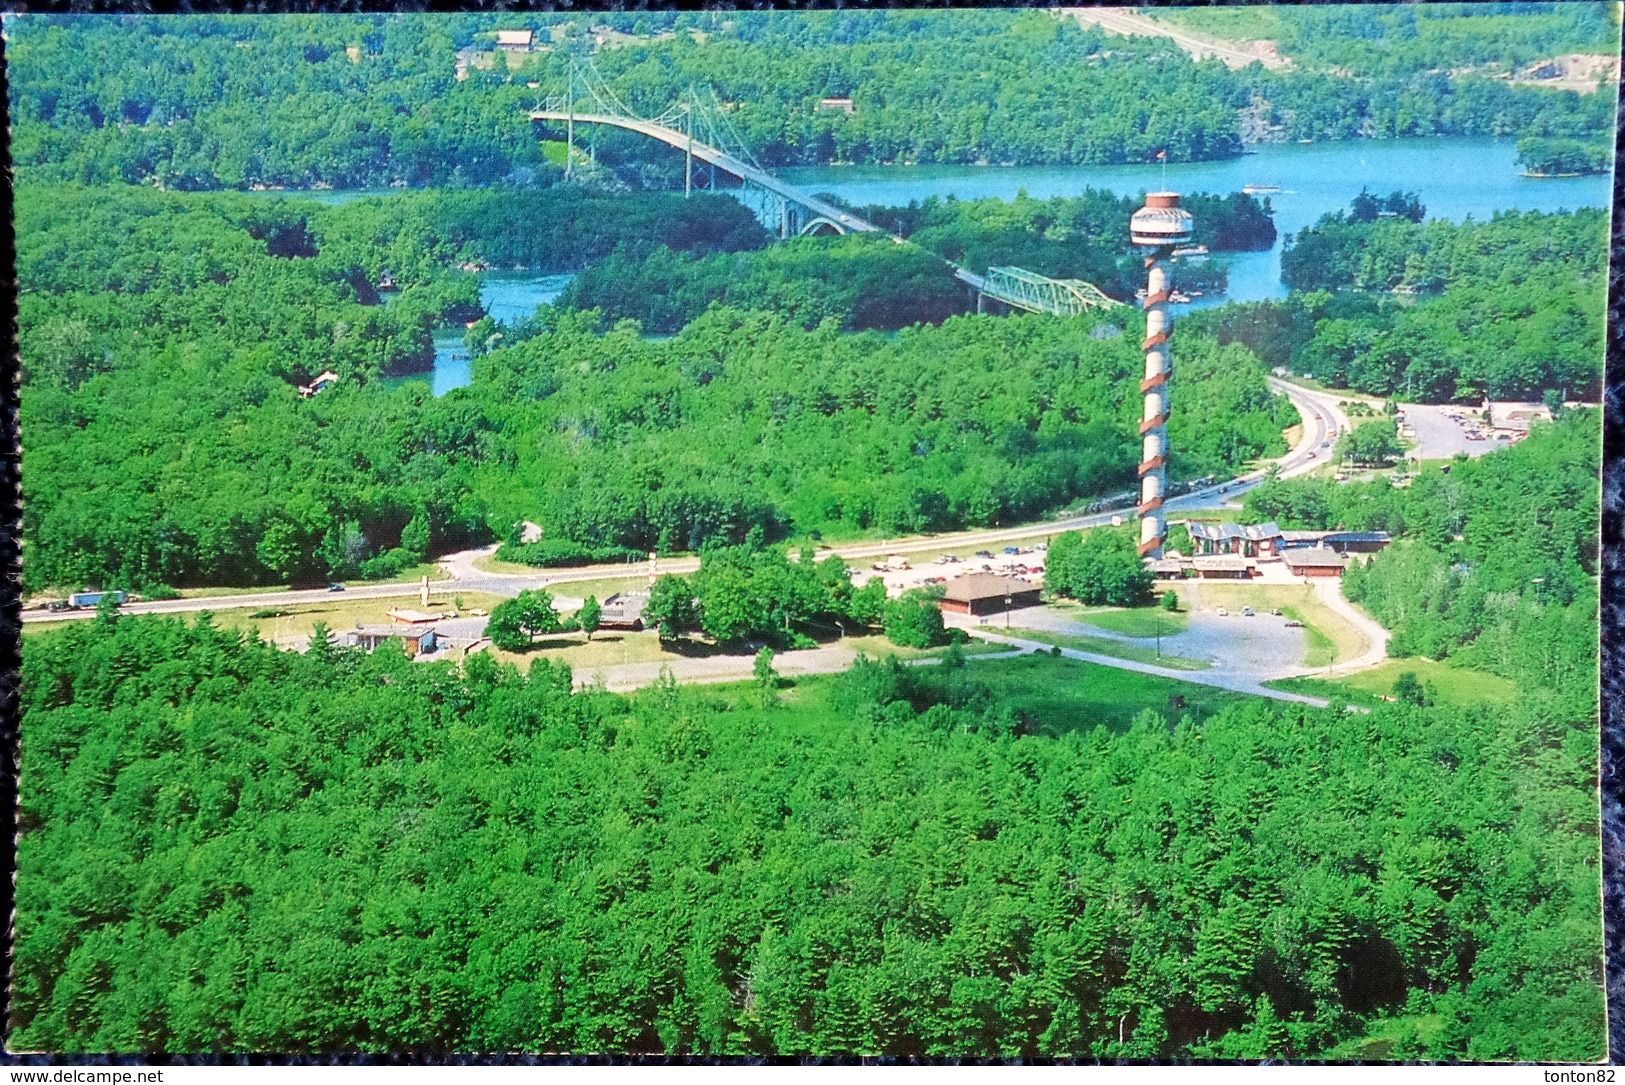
(1318,411)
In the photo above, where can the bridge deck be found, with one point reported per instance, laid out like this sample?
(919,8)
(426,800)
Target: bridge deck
(722,160)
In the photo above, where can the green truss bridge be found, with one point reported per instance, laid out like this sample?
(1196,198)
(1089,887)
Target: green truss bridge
(698,126)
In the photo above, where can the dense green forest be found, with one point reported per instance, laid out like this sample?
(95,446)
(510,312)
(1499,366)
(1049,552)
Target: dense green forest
(1499,562)
(355,100)
(1508,308)
(865,281)
(165,336)
(227,847)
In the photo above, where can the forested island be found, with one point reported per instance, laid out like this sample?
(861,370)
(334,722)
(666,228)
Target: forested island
(965,849)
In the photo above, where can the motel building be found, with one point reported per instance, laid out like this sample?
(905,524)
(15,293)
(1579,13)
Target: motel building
(1248,541)
(985,593)
(1314,561)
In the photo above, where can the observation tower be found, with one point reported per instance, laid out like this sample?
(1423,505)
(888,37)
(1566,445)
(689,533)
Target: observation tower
(1157,228)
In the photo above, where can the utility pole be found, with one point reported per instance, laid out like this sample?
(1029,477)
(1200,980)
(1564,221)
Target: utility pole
(688,150)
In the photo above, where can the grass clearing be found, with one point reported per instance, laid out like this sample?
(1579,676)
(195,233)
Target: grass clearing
(1061,695)
(300,619)
(1115,648)
(1322,651)
(1455,686)
(1146,622)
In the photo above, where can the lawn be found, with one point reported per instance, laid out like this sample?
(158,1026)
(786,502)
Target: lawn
(1144,622)
(1108,647)
(1451,685)
(1062,695)
(339,614)
(1322,651)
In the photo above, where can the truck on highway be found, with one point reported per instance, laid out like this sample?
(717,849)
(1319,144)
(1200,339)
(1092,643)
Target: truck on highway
(81,599)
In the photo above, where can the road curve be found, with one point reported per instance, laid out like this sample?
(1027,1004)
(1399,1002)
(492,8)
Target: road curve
(1318,411)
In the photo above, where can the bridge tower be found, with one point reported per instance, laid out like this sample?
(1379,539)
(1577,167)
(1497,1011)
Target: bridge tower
(1156,228)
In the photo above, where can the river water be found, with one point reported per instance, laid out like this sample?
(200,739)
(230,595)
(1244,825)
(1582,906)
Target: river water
(508,297)
(1456,178)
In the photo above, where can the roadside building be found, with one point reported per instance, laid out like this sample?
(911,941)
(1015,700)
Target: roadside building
(406,616)
(516,41)
(1315,561)
(1168,568)
(1248,540)
(371,637)
(623,610)
(1221,567)
(987,593)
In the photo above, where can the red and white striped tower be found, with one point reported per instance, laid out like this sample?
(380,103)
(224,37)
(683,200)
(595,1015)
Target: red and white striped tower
(1159,226)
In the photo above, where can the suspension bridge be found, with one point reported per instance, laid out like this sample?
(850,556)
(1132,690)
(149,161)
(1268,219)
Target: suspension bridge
(698,125)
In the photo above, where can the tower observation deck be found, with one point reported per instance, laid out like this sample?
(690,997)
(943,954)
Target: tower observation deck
(1158,228)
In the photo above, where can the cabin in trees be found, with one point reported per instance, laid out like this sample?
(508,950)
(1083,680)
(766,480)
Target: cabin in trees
(987,593)
(1250,540)
(320,384)
(516,41)
(844,105)
(623,610)
(1314,561)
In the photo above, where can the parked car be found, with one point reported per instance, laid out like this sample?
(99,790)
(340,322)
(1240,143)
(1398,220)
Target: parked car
(1012,550)
(1276,611)
(984,553)
(335,587)
(1294,624)
(1223,613)
(1246,612)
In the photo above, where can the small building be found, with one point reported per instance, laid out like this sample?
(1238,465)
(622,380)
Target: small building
(1357,542)
(325,378)
(516,41)
(623,610)
(1250,540)
(1297,540)
(371,637)
(406,616)
(987,593)
(1314,561)
(1167,568)
(1221,567)
(842,104)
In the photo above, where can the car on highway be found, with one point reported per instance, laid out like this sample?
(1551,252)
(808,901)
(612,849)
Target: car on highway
(335,587)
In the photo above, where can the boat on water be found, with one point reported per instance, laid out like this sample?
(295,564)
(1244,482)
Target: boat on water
(1260,190)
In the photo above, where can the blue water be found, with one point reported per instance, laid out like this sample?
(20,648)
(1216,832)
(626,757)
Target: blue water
(1456,177)
(508,297)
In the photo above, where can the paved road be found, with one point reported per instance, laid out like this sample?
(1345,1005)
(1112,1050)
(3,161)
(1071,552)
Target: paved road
(1318,410)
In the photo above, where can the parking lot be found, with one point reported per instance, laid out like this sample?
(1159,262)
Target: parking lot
(1023,563)
(1446,431)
